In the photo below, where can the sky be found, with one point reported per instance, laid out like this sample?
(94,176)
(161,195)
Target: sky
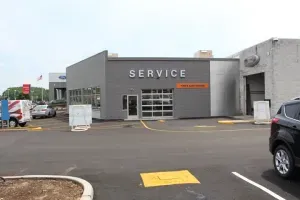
(38,37)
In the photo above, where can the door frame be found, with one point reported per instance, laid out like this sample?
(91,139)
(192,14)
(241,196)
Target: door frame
(133,117)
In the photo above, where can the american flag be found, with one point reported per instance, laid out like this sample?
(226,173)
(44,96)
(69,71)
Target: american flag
(40,78)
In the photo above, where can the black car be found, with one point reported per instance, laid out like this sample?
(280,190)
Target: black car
(284,142)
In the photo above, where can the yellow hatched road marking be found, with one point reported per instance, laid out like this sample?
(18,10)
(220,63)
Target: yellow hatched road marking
(155,179)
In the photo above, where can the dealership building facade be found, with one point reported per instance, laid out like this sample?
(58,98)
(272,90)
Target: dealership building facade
(57,86)
(155,88)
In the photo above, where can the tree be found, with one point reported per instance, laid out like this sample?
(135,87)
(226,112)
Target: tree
(22,96)
(35,93)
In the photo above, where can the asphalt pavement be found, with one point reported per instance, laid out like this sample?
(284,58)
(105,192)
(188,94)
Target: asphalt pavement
(112,160)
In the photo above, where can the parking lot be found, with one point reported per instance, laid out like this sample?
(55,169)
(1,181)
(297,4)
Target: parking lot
(222,161)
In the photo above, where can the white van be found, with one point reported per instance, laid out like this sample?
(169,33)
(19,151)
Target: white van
(19,111)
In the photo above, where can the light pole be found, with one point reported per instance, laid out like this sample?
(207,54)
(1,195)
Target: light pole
(32,97)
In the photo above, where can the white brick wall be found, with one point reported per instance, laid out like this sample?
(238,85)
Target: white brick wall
(280,62)
(264,65)
(286,71)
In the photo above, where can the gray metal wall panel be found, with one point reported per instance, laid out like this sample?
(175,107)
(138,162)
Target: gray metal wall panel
(187,102)
(89,73)
(53,85)
(224,88)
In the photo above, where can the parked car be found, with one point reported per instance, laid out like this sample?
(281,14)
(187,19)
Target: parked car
(43,111)
(284,141)
(19,111)
(58,104)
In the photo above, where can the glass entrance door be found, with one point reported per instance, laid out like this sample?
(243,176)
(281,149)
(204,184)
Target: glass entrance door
(132,105)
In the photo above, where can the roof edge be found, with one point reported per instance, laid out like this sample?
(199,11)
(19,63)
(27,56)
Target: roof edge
(168,59)
(105,52)
(265,41)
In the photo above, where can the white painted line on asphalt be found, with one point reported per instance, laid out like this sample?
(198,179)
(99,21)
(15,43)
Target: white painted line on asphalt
(259,186)
(67,171)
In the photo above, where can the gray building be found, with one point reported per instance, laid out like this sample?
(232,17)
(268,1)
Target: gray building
(152,88)
(57,86)
(269,71)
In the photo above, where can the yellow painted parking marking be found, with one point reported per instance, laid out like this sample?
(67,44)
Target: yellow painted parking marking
(36,128)
(155,179)
(235,121)
(202,131)
(204,126)
(21,129)
(161,120)
(225,122)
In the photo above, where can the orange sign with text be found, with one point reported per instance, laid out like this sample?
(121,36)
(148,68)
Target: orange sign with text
(192,85)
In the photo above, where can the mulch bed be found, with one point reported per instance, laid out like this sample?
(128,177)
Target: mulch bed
(39,189)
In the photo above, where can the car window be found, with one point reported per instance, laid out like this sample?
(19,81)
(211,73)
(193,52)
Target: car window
(36,107)
(39,107)
(279,111)
(292,111)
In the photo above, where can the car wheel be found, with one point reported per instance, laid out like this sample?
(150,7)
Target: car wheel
(54,114)
(33,117)
(283,162)
(13,122)
(22,124)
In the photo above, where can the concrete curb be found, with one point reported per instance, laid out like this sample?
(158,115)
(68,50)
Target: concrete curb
(262,123)
(88,191)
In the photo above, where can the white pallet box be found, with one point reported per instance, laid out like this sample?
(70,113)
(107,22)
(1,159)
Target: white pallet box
(80,117)
(261,112)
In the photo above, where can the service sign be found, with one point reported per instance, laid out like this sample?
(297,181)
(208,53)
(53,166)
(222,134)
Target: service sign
(62,77)
(192,85)
(251,61)
(26,88)
(157,73)
(57,77)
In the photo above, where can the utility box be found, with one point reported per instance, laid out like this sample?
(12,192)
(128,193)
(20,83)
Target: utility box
(4,114)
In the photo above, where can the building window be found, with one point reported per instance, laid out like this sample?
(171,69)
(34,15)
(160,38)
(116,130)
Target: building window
(75,97)
(85,96)
(157,103)
(96,98)
(124,100)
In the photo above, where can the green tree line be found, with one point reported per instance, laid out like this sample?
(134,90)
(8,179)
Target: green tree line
(35,94)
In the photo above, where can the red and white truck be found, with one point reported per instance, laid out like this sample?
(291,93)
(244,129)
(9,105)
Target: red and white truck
(19,111)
